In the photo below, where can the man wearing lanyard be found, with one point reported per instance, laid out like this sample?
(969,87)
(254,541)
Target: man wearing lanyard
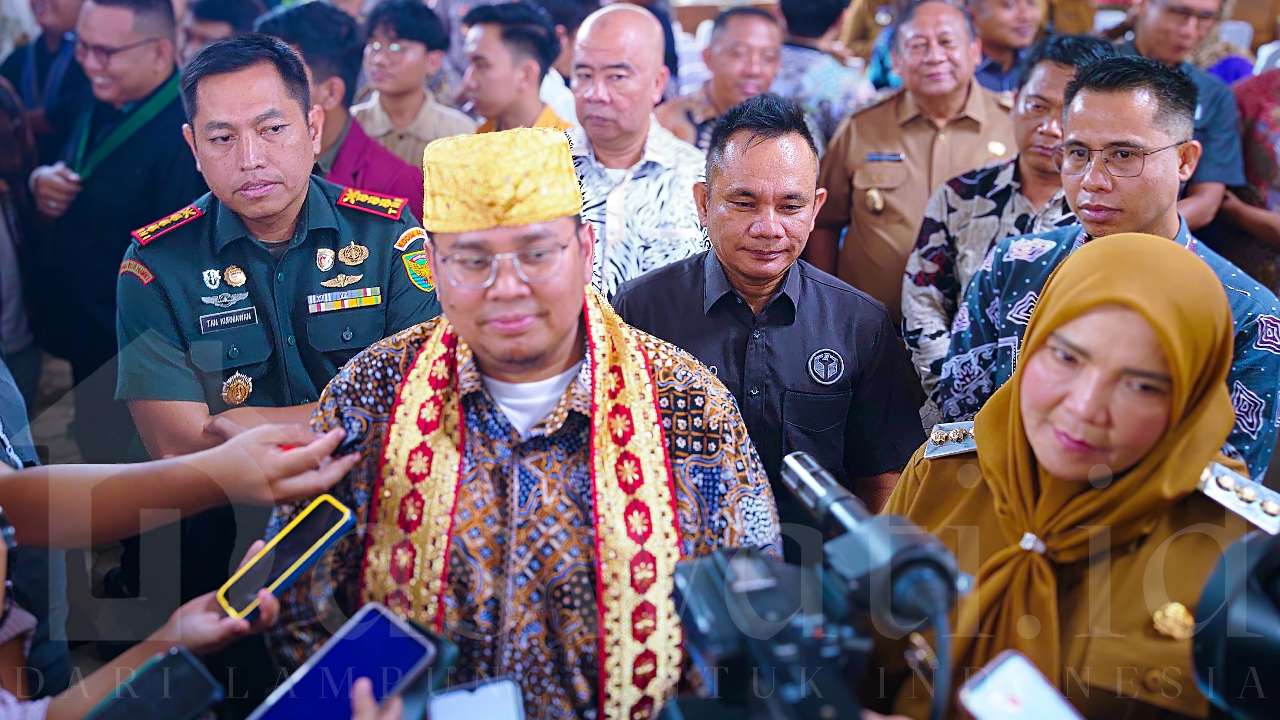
(45,74)
(124,165)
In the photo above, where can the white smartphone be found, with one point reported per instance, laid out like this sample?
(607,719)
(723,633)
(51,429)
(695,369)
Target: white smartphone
(1011,687)
(497,699)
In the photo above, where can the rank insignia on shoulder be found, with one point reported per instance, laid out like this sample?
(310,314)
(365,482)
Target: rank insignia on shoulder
(1253,501)
(138,270)
(949,439)
(408,236)
(387,206)
(147,233)
(418,270)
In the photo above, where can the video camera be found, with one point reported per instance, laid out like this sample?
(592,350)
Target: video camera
(1235,650)
(747,616)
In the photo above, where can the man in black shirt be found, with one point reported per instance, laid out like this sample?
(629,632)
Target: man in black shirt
(124,165)
(46,75)
(815,365)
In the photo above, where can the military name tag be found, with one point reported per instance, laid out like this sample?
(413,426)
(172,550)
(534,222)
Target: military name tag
(228,320)
(328,302)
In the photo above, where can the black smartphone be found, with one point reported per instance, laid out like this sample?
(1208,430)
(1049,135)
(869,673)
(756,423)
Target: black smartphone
(287,555)
(170,686)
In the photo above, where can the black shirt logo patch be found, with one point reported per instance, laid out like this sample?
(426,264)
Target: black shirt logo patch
(826,366)
(227,320)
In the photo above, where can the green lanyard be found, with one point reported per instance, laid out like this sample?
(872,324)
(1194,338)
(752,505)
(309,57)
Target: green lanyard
(84,167)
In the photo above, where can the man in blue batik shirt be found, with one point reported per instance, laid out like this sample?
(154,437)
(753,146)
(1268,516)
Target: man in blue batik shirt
(1127,147)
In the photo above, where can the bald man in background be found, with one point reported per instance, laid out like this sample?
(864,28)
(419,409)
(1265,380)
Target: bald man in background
(637,178)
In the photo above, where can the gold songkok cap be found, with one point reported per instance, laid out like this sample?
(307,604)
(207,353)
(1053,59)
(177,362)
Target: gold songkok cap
(498,179)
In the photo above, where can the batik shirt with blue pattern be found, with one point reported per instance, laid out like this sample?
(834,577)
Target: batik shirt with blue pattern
(987,333)
(522,576)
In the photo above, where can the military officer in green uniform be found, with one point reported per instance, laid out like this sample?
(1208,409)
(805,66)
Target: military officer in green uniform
(244,304)
(239,308)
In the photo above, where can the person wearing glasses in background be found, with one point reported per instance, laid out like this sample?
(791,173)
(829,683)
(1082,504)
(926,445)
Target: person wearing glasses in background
(406,46)
(1168,31)
(124,165)
(1127,147)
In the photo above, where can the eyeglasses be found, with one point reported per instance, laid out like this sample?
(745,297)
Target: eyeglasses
(1184,13)
(102,54)
(478,271)
(1075,159)
(394,49)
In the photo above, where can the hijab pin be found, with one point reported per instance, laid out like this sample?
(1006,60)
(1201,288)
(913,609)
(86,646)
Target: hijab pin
(1031,543)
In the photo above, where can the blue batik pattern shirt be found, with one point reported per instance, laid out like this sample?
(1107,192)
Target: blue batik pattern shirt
(987,332)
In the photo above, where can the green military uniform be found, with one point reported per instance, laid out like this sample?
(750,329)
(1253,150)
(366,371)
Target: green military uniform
(209,314)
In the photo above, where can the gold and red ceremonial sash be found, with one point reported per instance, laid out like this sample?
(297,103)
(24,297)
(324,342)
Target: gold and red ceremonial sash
(406,563)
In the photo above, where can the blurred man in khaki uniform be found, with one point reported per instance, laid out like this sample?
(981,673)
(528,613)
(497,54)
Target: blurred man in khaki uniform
(1072,17)
(886,160)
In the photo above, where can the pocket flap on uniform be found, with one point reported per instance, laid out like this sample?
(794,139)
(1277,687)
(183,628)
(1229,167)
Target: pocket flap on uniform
(352,330)
(815,412)
(883,175)
(1152,670)
(230,349)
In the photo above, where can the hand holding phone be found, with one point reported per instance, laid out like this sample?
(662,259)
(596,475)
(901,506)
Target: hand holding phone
(271,464)
(202,626)
(374,644)
(1011,687)
(286,556)
(170,686)
(365,707)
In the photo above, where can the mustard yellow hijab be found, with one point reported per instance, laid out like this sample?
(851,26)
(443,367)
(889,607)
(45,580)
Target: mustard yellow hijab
(1185,304)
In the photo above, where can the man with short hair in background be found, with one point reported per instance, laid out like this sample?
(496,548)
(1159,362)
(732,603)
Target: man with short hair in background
(209,20)
(637,178)
(972,212)
(825,87)
(510,48)
(1168,31)
(1127,147)
(1007,28)
(567,16)
(123,166)
(405,45)
(814,364)
(330,44)
(743,57)
(46,74)
(887,159)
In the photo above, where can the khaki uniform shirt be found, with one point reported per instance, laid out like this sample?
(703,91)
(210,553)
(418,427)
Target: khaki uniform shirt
(1116,661)
(434,121)
(882,166)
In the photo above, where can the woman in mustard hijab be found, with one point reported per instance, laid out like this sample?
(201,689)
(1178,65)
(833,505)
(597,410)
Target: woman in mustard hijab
(1080,515)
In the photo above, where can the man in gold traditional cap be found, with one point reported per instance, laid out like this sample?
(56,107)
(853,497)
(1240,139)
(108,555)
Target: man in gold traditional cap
(532,467)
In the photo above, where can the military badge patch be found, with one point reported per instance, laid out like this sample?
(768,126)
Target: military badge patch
(324,259)
(341,280)
(147,233)
(419,272)
(408,236)
(353,254)
(234,276)
(138,270)
(236,389)
(387,206)
(211,279)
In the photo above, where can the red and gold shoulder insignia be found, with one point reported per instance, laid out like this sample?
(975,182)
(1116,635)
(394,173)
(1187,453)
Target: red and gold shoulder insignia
(138,270)
(387,206)
(147,233)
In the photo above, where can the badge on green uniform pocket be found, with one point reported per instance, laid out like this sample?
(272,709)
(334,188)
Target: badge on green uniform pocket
(418,270)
